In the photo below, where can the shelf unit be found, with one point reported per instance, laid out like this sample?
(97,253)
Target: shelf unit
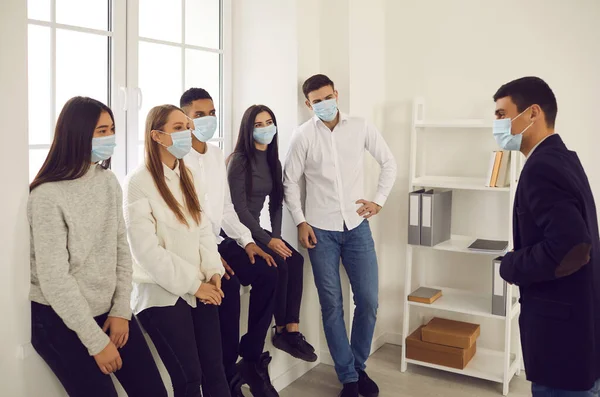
(495,366)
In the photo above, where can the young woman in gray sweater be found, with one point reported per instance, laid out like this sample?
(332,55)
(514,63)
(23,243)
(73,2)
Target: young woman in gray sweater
(254,172)
(81,264)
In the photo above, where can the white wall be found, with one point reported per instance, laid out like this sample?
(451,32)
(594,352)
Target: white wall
(266,66)
(456,54)
(381,54)
(14,233)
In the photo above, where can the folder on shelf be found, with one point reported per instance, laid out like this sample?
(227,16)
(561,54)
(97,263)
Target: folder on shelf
(499,289)
(414,217)
(436,216)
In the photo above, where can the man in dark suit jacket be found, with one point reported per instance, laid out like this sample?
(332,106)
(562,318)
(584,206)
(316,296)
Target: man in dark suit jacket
(556,257)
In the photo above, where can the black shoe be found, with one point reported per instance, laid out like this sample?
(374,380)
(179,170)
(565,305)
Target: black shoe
(294,344)
(350,390)
(256,375)
(366,386)
(235,385)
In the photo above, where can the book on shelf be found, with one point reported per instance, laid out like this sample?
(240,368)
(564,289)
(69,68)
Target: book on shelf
(499,169)
(425,295)
(489,245)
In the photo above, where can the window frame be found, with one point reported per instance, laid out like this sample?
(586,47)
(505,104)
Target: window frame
(124,96)
(136,93)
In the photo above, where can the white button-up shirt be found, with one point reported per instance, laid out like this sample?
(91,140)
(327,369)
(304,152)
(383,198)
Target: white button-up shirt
(210,180)
(332,163)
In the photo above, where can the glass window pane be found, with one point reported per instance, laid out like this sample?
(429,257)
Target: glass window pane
(159,77)
(203,23)
(38,9)
(202,70)
(39,85)
(81,66)
(160,20)
(91,14)
(36,160)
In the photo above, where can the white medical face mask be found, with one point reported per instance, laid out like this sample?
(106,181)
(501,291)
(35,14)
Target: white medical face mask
(503,133)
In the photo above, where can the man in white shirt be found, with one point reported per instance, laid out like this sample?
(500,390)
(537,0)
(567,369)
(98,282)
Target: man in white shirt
(245,262)
(328,151)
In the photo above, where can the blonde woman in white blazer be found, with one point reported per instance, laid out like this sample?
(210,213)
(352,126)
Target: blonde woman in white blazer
(177,269)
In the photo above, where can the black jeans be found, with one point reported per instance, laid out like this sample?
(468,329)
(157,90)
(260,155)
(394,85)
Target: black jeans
(188,341)
(289,286)
(78,372)
(263,279)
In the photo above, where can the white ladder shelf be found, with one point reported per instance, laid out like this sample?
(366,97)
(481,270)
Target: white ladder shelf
(495,366)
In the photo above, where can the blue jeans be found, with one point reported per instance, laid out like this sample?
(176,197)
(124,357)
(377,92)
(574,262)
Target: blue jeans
(356,249)
(543,391)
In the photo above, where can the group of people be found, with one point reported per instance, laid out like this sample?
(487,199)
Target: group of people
(172,248)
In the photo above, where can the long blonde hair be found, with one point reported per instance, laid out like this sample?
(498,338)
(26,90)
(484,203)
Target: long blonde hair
(156,120)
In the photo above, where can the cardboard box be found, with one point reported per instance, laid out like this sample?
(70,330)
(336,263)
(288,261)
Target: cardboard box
(453,357)
(451,333)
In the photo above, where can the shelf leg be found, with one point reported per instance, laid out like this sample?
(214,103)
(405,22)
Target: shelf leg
(519,353)
(507,340)
(406,314)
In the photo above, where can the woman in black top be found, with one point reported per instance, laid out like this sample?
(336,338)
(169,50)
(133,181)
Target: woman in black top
(254,172)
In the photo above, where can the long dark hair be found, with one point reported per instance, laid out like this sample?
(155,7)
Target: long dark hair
(156,120)
(70,155)
(246,150)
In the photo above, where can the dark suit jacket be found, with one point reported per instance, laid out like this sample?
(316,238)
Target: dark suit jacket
(555,226)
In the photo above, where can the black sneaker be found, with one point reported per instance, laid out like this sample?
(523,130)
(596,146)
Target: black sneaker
(295,344)
(256,375)
(235,385)
(350,390)
(366,386)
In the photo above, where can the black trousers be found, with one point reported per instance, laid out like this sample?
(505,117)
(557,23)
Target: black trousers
(188,341)
(289,286)
(263,280)
(78,372)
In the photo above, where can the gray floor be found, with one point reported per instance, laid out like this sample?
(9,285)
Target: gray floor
(384,368)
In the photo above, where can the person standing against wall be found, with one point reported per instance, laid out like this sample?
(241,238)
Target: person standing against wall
(81,264)
(177,269)
(244,261)
(254,172)
(556,257)
(328,151)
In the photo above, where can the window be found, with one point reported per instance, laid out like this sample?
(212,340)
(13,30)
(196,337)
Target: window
(130,55)
(173,48)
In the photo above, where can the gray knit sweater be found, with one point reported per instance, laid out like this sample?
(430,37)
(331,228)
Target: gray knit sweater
(80,259)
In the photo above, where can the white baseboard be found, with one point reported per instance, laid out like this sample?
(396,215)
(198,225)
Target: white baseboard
(394,339)
(293,374)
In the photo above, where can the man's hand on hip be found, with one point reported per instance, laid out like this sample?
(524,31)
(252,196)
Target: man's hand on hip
(368,208)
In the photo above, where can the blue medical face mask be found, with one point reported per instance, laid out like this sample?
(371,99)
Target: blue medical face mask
(503,135)
(265,135)
(182,143)
(205,127)
(103,148)
(326,110)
